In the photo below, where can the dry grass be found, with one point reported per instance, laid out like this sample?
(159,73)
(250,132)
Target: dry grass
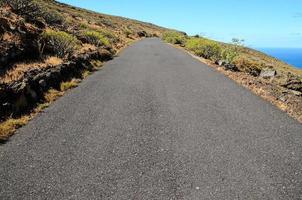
(86,48)
(8,127)
(69,84)
(86,73)
(53,60)
(18,70)
(96,63)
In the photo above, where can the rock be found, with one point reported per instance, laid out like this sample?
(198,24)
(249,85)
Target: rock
(296,93)
(142,34)
(42,84)
(18,87)
(21,103)
(32,94)
(282,98)
(5,24)
(221,62)
(231,67)
(294,84)
(268,73)
(105,54)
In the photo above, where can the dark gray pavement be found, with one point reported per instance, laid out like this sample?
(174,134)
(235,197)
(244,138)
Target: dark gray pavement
(155,124)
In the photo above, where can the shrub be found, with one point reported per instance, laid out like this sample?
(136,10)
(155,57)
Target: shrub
(174,37)
(96,38)
(127,33)
(83,26)
(109,35)
(232,51)
(252,67)
(229,54)
(205,48)
(52,17)
(34,10)
(59,43)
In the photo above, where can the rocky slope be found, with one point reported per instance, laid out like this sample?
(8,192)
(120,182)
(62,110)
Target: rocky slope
(31,62)
(44,43)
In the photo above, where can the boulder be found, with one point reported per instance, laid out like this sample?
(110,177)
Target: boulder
(231,67)
(42,83)
(268,73)
(221,62)
(18,87)
(105,54)
(294,84)
(142,34)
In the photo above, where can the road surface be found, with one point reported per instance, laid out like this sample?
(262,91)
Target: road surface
(155,123)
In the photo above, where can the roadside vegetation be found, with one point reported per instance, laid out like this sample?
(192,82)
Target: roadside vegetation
(268,77)
(59,43)
(46,47)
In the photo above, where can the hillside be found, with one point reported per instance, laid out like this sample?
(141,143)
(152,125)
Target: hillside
(268,77)
(46,47)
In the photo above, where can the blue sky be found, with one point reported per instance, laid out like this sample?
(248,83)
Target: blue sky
(262,23)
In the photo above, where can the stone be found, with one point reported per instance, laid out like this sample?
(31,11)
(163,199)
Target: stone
(221,62)
(296,93)
(282,98)
(268,73)
(42,83)
(294,84)
(33,95)
(105,54)
(231,67)
(142,33)
(18,87)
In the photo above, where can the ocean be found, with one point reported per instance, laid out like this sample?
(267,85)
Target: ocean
(291,56)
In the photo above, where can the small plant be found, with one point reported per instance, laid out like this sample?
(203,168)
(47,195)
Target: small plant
(249,66)
(109,34)
(174,37)
(69,85)
(59,43)
(96,38)
(52,17)
(232,51)
(33,10)
(83,26)
(205,48)
(127,33)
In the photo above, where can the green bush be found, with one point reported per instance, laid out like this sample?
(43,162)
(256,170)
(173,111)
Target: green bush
(96,38)
(33,10)
(174,37)
(205,48)
(109,35)
(59,43)
(83,26)
(232,51)
(229,54)
(52,17)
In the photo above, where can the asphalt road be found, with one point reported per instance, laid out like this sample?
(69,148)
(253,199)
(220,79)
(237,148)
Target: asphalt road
(155,123)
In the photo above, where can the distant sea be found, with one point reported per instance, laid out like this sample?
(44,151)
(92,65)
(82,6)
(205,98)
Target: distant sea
(292,56)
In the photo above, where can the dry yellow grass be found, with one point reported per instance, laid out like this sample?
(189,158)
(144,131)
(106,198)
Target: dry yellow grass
(8,127)
(69,85)
(53,60)
(18,70)
(52,94)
